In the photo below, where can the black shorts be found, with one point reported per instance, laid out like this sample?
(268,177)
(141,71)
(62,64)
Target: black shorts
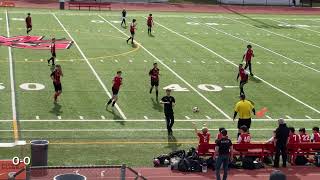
(243,82)
(54,54)
(149,25)
(132,33)
(115,91)
(57,87)
(29,26)
(246,122)
(155,83)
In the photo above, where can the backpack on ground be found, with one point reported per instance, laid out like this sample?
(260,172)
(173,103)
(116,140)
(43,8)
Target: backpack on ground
(189,165)
(211,163)
(268,160)
(160,160)
(184,165)
(317,159)
(174,163)
(192,153)
(247,163)
(301,161)
(178,153)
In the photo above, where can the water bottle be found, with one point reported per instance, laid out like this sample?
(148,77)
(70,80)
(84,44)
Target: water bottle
(204,168)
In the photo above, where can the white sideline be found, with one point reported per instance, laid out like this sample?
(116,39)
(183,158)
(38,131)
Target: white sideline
(122,130)
(295,26)
(89,64)
(171,70)
(156,120)
(303,42)
(267,49)
(12,84)
(161,16)
(227,60)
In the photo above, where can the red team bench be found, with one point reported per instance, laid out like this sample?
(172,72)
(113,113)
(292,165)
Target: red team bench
(89,5)
(7,4)
(262,150)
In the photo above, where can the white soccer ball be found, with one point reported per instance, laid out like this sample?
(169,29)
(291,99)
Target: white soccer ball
(195,109)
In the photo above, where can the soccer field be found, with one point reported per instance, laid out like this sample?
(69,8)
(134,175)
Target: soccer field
(197,53)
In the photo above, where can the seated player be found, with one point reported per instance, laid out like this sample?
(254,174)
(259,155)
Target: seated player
(271,140)
(203,135)
(204,138)
(315,137)
(303,135)
(293,137)
(244,137)
(219,135)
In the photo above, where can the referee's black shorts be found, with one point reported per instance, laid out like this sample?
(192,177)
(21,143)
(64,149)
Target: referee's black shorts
(246,122)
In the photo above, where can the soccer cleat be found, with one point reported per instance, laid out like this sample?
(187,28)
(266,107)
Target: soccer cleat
(251,74)
(127,41)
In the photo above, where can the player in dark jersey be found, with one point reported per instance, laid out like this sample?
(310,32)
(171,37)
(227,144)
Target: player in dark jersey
(132,30)
(53,51)
(243,78)
(124,14)
(154,75)
(248,55)
(28,23)
(117,82)
(55,76)
(150,24)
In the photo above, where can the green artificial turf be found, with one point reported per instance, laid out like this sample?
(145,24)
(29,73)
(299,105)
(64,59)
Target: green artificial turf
(191,50)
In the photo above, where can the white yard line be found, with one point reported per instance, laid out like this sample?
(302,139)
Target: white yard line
(12,85)
(308,117)
(258,45)
(66,13)
(268,117)
(303,42)
(227,60)
(288,117)
(89,64)
(155,120)
(295,26)
(172,71)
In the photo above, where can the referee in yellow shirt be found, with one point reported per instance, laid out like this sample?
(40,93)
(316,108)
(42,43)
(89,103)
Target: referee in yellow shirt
(243,108)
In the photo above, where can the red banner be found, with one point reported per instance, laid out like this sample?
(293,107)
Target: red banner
(33,42)
(7,166)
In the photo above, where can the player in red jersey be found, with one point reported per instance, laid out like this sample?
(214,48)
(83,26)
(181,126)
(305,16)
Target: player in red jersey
(154,74)
(243,78)
(150,24)
(315,135)
(203,135)
(271,140)
(55,76)
(132,30)
(248,55)
(28,23)
(293,137)
(303,135)
(53,51)
(219,135)
(244,137)
(117,82)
